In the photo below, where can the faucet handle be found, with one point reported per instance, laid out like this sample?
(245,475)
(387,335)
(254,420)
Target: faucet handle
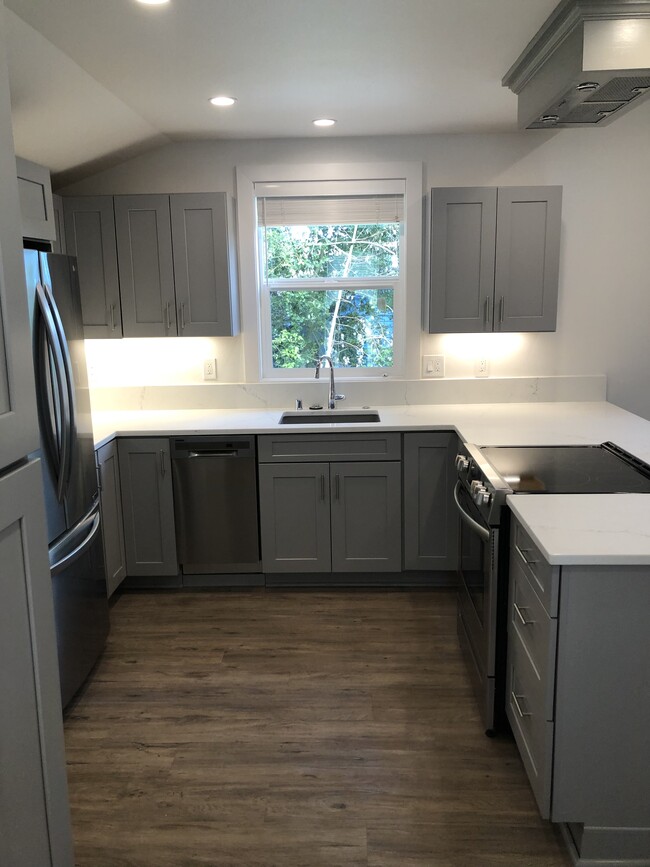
(339,397)
(298,403)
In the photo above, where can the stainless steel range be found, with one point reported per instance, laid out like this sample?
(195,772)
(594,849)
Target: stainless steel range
(486,475)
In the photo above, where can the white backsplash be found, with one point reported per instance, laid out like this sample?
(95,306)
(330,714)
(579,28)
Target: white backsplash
(519,389)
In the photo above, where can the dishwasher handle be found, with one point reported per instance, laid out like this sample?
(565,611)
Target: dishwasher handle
(184,448)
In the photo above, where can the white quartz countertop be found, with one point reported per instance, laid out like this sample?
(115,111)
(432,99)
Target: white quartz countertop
(569,528)
(587,529)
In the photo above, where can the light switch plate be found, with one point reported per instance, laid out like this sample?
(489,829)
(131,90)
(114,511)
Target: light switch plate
(433,366)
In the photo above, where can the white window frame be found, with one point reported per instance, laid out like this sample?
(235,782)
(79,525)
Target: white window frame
(255,317)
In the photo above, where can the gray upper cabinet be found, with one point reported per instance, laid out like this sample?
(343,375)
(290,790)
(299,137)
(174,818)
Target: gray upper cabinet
(112,522)
(58,244)
(430,522)
(90,236)
(148,506)
(204,265)
(36,206)
(146,268)
(494,259)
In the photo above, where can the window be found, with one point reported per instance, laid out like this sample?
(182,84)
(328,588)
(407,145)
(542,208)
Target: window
(330,268)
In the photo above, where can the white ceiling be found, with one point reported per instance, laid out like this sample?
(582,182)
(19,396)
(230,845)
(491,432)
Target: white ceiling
(93,80)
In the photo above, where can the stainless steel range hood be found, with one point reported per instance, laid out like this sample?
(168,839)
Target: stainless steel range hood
(588,63)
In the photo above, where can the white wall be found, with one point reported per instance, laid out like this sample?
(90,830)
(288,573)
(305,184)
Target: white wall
(604,299)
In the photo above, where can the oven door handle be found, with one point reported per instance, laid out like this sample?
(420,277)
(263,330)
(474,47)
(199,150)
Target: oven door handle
(471,523)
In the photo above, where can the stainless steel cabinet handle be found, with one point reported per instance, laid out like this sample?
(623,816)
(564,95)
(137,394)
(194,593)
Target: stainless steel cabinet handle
(502,304)
(163,469)
(113,317)
(183,316)
(322,486)
(337,486)
(168,317)
(515,701)
(520,614)
(486,312)
(523,552)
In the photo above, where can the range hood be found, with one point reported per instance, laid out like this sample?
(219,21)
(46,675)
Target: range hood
(588,63)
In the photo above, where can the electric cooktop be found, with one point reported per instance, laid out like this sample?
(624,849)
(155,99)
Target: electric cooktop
(597,469)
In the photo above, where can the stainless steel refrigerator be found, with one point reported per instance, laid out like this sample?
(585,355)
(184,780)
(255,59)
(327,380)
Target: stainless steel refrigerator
(68,461)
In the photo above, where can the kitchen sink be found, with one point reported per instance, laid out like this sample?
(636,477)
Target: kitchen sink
(328,416)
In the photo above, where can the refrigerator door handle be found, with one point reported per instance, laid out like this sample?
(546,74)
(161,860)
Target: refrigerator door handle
(69,424)
(61,556)
(60,451)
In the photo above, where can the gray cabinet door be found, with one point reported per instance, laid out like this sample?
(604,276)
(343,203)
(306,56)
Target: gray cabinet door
(34,813)
(366,517)
(112,523)
(90,236)
(147,506)
(295,517)
(18,422)
(144,253)
(527,258)
(430,520)
(58,244)
(463,225)
(36,207)
(204,272)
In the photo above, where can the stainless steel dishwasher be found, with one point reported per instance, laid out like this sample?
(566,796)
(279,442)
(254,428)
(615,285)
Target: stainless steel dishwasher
(215,504)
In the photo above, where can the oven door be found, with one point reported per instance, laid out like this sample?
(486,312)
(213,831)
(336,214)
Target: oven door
(477,591)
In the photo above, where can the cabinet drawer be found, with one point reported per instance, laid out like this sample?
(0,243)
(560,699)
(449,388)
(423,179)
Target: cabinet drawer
(525,700)
(543,577)
(326,447)
(530,623)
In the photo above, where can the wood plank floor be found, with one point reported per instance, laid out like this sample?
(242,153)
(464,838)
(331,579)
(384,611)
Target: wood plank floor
(293,729)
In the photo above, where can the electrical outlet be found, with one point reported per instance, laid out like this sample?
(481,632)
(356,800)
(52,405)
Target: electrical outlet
(210,368)
(433,365)
(481,367)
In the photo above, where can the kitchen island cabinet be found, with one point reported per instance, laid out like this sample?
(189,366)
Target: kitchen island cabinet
(577,698)
(148,507)
(494,259)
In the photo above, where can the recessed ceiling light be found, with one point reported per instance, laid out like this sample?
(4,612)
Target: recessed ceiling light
(223,100)
(153,2)
(324,121)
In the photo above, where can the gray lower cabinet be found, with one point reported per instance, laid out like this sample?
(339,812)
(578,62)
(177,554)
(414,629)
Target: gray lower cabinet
(147,506)
(341,513)
(577,698)
(112,522)
(494,258)
(430,522)
(295,517)
(89,225)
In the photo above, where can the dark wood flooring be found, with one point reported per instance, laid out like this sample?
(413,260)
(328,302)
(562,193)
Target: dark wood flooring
(293,729)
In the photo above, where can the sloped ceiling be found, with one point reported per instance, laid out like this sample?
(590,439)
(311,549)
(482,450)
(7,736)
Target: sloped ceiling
(93,81)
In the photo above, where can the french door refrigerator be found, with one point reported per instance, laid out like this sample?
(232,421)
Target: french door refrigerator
(68,463)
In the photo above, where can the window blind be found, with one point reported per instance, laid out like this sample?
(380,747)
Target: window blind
(329,210)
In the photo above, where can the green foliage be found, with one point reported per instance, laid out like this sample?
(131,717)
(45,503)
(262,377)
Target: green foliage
(353,325)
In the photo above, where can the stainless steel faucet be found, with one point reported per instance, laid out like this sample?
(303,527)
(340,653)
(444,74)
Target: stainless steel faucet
(333,396)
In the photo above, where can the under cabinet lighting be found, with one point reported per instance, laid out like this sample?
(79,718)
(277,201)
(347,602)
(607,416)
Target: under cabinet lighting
(223,100)
(324,121)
